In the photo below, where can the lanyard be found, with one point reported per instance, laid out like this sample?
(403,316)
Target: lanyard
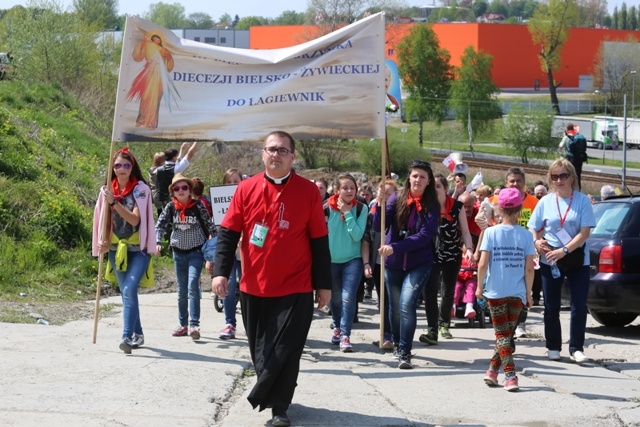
(563,219)
(268,208)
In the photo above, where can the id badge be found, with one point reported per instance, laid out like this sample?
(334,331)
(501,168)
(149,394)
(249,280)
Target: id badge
(563,236)
(258,235)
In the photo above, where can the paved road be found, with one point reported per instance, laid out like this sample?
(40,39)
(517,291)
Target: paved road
(54,375)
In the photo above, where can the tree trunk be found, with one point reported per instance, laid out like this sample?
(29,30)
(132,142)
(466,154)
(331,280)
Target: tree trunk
(420,134)
(555,104)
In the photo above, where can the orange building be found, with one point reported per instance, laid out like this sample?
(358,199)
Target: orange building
(515,57)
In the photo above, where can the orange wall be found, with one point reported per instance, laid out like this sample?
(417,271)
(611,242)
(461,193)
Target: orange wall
(515,58)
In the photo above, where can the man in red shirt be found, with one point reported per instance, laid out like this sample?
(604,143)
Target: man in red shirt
(285,257)
(471,210)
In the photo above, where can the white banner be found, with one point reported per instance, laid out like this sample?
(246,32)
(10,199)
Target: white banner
(221,196)
(173,89)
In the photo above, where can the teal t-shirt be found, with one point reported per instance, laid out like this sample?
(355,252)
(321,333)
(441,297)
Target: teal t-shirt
(345,235)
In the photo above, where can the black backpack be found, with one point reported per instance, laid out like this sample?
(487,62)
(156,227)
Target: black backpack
(578,148)
(164,175)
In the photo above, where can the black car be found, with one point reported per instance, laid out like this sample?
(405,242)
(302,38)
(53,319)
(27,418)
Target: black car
(614,244)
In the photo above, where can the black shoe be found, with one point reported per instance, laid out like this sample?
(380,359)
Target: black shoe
(280,418)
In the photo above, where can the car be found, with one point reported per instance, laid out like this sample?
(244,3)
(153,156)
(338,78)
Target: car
(614,245)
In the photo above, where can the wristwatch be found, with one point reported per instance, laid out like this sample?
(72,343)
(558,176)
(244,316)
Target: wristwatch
(565,250)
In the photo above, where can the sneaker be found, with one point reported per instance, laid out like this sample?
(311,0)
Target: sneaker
(404,361)
(182,331)
(511,384)
(579,357)
(469,312)
(491,378)
(125,345)
(521,331)
(345,344)
(430,338)
(194,333)
(444,332)
(228,333)
(553,355)
(137,341)
(396,353)
(335,338)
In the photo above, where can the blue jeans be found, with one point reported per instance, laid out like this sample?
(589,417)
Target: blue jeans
(578,281)
(230,301)
(403,290)
(346,279)
(188,267)
(129,281)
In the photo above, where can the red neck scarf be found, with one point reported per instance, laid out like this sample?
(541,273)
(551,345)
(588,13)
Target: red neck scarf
(448,204)
(333,203)
(411,200)
(115,188)
(183,207)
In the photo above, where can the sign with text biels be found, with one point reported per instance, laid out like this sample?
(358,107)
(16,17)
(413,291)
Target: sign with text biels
(173,89)
(220,200)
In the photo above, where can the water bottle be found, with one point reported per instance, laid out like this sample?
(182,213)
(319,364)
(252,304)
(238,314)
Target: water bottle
(555,271)
(482,303)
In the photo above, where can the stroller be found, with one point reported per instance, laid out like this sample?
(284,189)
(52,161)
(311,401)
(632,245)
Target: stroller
(465,289)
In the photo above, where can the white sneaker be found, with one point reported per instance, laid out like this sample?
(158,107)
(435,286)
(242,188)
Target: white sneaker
(554,355)
(579,357)
(521,331)
(469,312)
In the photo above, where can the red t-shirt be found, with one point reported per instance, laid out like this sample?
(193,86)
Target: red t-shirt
(294,215)
(471,222)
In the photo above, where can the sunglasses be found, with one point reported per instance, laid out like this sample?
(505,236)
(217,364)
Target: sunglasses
(127,166)
(183,187)
(282,151)
(421,164)
(560,177)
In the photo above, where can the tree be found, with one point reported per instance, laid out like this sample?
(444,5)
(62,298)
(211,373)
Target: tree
(52,46)
(591,12)
(497,6)
(426,74)
(289,17)
(99,14)
(473,93)
(224,21)
(528,132)
(613,77)
(250,21)
(623,24)
(335,13)
(633,18)
(549,29)
(480,8)
(166,15)
(236,19)
(200,20)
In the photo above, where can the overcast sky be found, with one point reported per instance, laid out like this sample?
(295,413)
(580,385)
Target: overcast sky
(265,8)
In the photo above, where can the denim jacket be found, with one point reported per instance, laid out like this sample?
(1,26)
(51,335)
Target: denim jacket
(416,246)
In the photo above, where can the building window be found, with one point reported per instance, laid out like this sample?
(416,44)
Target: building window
(196,39)
(223,39)
(390,52)
(209,39)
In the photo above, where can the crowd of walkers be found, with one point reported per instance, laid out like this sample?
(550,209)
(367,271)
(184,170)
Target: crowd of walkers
(457,248)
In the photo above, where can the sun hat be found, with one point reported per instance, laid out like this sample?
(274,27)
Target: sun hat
(509,198)
(179,177)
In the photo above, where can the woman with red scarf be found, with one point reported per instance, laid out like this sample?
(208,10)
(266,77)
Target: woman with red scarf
(129,240)
(453,232)
(346,221)
(190,226)
(412,222)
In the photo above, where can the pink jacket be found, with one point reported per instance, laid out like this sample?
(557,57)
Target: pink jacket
(142,195)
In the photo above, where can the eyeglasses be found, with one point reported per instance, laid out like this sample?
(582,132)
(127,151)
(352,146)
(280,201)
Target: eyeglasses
(127,166)
(421,164)
(282,151)
(560,177)
(183,187)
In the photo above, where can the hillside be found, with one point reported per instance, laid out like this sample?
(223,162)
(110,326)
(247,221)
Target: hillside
(53,154)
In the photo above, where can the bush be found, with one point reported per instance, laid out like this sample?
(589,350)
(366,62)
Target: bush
(62,219)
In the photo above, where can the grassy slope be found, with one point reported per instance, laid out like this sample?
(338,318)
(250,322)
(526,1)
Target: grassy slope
(52,156)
